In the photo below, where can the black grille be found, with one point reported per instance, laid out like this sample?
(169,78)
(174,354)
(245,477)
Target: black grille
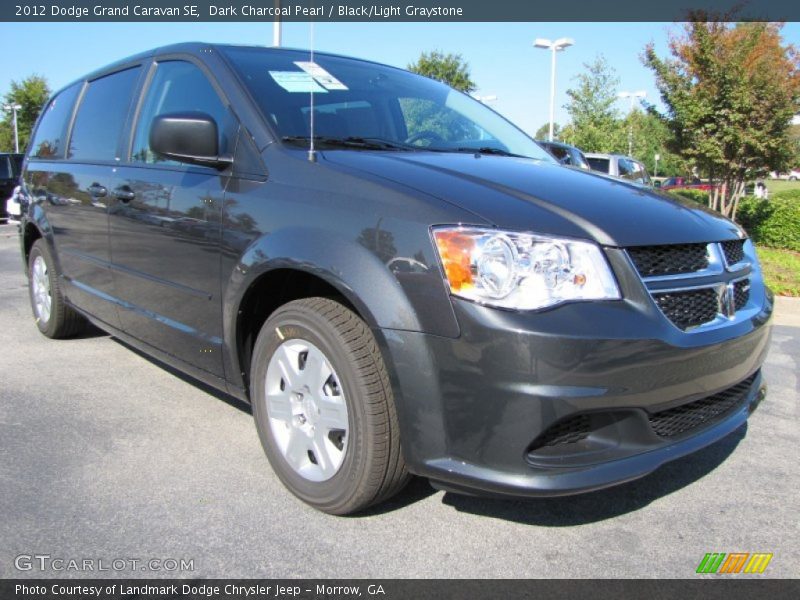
(690,308)
(741,293)
(674,421)
(568,431)
(652,261)
(734,251)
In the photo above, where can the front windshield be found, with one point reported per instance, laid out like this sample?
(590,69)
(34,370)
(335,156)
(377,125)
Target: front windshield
(367,102)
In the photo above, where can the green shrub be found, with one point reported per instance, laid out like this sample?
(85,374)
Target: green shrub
(774,222)
(698,196)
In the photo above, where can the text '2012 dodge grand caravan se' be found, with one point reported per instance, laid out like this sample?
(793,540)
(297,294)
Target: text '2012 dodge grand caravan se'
(424,291)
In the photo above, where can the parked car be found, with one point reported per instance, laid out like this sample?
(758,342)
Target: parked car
(792,175)
(565,154)
(14,206)
(686,183)
(10,167)
(432,296)
(620,166)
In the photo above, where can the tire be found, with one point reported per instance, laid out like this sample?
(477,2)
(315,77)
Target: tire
(54,317)
(301,428)
(792,178)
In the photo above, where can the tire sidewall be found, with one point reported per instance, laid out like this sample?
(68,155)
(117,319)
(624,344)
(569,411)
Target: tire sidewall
(39,250)
(296,323)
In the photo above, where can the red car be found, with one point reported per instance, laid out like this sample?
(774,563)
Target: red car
(691,183)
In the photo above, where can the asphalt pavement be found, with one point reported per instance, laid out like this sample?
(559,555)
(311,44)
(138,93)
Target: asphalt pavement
(108,455)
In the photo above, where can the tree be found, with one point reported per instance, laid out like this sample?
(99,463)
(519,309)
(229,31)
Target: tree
(379,241)
(595,124)
(31,93)
(794,136)
(544,132)
(447,68)
(651,136)
(730,91)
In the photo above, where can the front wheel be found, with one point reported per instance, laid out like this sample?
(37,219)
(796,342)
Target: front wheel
(324,408)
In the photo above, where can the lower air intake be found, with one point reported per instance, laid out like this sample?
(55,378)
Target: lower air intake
(680,419)
(568,431)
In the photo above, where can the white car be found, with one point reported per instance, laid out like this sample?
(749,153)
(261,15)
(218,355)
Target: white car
(620,166)
(792,175)
(14,207)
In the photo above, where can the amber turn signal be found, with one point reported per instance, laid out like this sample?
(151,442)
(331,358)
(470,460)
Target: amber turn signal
(455,250)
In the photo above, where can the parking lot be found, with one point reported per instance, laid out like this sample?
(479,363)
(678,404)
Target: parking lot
(107,454)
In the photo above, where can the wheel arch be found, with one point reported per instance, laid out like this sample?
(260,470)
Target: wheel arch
(35,226)
(30,234)
(300,263)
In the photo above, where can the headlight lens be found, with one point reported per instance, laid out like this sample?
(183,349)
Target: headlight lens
(520,270)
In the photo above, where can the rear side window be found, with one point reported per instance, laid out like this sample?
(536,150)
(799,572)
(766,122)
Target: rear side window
(598,164)
(16,164)
(178,86)
(6,172)
(48,142)
(101,117)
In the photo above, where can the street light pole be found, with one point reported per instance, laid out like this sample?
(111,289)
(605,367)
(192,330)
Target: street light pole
(554,46)
(277,26)
(632,97)
(14,108)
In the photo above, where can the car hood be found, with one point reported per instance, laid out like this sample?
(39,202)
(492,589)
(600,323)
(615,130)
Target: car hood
(532,195)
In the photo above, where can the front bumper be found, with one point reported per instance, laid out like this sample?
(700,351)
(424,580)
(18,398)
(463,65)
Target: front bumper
(472,409)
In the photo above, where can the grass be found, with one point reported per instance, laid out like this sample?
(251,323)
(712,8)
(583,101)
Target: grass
(778,185)
(781,270)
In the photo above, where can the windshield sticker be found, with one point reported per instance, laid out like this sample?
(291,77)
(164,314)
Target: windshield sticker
(325,79)
(297,82)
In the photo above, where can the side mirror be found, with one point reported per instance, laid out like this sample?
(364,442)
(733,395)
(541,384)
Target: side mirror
(190,137)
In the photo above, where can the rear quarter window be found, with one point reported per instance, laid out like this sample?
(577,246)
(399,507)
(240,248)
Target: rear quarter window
(48,141)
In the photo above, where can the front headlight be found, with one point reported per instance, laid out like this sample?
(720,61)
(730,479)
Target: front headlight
(521,270)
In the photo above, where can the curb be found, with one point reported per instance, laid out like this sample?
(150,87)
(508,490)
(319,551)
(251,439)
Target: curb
(787,311)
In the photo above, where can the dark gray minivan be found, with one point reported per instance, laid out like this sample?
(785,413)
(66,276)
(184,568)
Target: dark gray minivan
(396,278)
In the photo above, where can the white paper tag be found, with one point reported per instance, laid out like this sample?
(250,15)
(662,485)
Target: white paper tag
(297,82)
(325,79)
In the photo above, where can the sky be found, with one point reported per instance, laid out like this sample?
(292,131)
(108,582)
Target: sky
(501,56)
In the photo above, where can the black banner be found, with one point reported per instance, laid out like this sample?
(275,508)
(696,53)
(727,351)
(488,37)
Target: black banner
(715,588)
(397,10)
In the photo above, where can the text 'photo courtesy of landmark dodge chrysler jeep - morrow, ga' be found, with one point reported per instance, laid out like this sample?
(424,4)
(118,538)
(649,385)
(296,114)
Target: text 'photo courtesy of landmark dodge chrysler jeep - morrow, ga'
(423,290)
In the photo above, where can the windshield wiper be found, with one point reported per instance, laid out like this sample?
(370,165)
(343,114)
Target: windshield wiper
(349,142)
(488,150)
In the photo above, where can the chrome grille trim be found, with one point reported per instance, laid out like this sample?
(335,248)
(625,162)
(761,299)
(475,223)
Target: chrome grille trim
(733,297)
